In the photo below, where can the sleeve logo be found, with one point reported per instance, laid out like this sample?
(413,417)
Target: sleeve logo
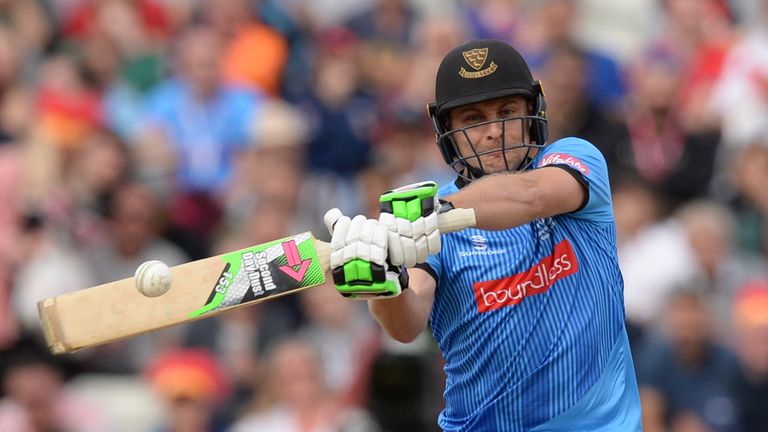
(564,159)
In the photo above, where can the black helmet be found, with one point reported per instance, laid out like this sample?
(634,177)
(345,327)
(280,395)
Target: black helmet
(478,71)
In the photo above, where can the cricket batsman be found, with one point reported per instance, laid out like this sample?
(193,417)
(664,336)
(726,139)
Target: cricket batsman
(528,307)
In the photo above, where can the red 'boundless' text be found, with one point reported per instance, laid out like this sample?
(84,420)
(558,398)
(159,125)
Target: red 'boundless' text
(513,289)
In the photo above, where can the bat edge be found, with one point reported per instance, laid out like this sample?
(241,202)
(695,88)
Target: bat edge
(51,326)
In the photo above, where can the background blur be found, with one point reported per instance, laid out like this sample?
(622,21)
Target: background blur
(177,129)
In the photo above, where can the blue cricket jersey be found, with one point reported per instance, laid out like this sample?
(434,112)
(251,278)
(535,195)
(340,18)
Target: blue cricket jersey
(530,320)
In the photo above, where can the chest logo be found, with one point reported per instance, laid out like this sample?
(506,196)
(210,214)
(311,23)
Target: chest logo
(511,290)
(480,243)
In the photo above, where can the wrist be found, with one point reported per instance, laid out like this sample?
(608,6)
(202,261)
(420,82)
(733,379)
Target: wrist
(445,206)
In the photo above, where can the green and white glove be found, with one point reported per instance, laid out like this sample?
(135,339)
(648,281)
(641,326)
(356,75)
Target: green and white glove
(359,263)
(410,215)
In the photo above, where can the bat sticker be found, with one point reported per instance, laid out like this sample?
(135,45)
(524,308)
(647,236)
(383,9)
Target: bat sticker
(264,271)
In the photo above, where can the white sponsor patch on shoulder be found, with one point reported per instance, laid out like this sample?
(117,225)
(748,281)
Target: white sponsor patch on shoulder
(562,158)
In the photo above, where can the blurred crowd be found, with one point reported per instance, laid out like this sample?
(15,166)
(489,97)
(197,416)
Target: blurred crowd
(179,129)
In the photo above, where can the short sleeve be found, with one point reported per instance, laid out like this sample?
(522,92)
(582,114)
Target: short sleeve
(159,104)
(584,160)
(245,109)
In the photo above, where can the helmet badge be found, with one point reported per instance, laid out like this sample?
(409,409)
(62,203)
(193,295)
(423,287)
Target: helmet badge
(476,59)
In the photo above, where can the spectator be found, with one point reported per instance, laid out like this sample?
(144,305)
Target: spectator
(86,18)
(695,244)
(743,83)
(341,117)
(196,126)
(10,235)
(239,340)
(187,114)
(37,397)
(254,53)
(135,218)
(346,340)
(663,247)
(750,386)
(319,15)
(570,110)
(296,398)
(697,34)
(68,108)
(406,151)
(192,386)
(135,221)
(121,59)
(721,267)
(684,376)
(78,205)
(663,148)
(553,22)
(748,173)
(390,22)
(637,207)
(433,36)
(47,267)
(269,176)
(495,19)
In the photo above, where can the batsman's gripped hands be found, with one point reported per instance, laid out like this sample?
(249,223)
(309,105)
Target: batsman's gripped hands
(369,257)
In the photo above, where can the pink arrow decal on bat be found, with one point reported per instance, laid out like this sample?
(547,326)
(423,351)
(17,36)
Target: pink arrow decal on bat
(294,260)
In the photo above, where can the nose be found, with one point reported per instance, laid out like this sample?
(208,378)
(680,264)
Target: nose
(494,130)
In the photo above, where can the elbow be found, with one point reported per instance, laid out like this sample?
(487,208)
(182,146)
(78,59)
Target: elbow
(403,336)
(403,332)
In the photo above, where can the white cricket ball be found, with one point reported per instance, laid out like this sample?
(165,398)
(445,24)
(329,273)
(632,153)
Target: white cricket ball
(153,278)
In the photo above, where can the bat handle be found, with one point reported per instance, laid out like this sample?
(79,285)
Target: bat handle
(456,220)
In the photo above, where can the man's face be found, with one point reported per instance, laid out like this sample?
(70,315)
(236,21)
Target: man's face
(487,140)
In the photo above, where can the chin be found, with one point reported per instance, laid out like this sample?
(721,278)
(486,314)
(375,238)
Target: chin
(500,167)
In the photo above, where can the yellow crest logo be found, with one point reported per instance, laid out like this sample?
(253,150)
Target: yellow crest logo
(476,59)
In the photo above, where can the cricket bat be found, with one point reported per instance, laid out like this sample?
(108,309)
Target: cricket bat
(200,289)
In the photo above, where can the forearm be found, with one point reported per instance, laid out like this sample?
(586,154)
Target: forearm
(500,201)
(404,317)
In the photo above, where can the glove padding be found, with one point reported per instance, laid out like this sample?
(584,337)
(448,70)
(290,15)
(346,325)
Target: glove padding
(410,215)
(359,262)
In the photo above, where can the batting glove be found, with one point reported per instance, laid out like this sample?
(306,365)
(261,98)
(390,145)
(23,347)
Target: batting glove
(359,263)
(410,215)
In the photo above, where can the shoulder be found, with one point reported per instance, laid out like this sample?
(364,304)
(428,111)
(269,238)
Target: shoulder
(575,152)
(170,88)
(571,144)
(166,98)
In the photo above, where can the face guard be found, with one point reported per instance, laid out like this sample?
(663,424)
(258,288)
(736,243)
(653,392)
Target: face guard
(469,162)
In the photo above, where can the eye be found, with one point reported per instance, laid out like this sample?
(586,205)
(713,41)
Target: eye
(508,112)
(472,118)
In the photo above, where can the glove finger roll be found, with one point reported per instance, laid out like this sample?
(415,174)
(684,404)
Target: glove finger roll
(396,256)
(409,252)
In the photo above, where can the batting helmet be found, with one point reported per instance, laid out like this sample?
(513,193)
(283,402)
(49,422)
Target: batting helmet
(479,71)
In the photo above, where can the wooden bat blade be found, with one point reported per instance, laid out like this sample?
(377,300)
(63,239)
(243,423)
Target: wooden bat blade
(203,288)
(199,289)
